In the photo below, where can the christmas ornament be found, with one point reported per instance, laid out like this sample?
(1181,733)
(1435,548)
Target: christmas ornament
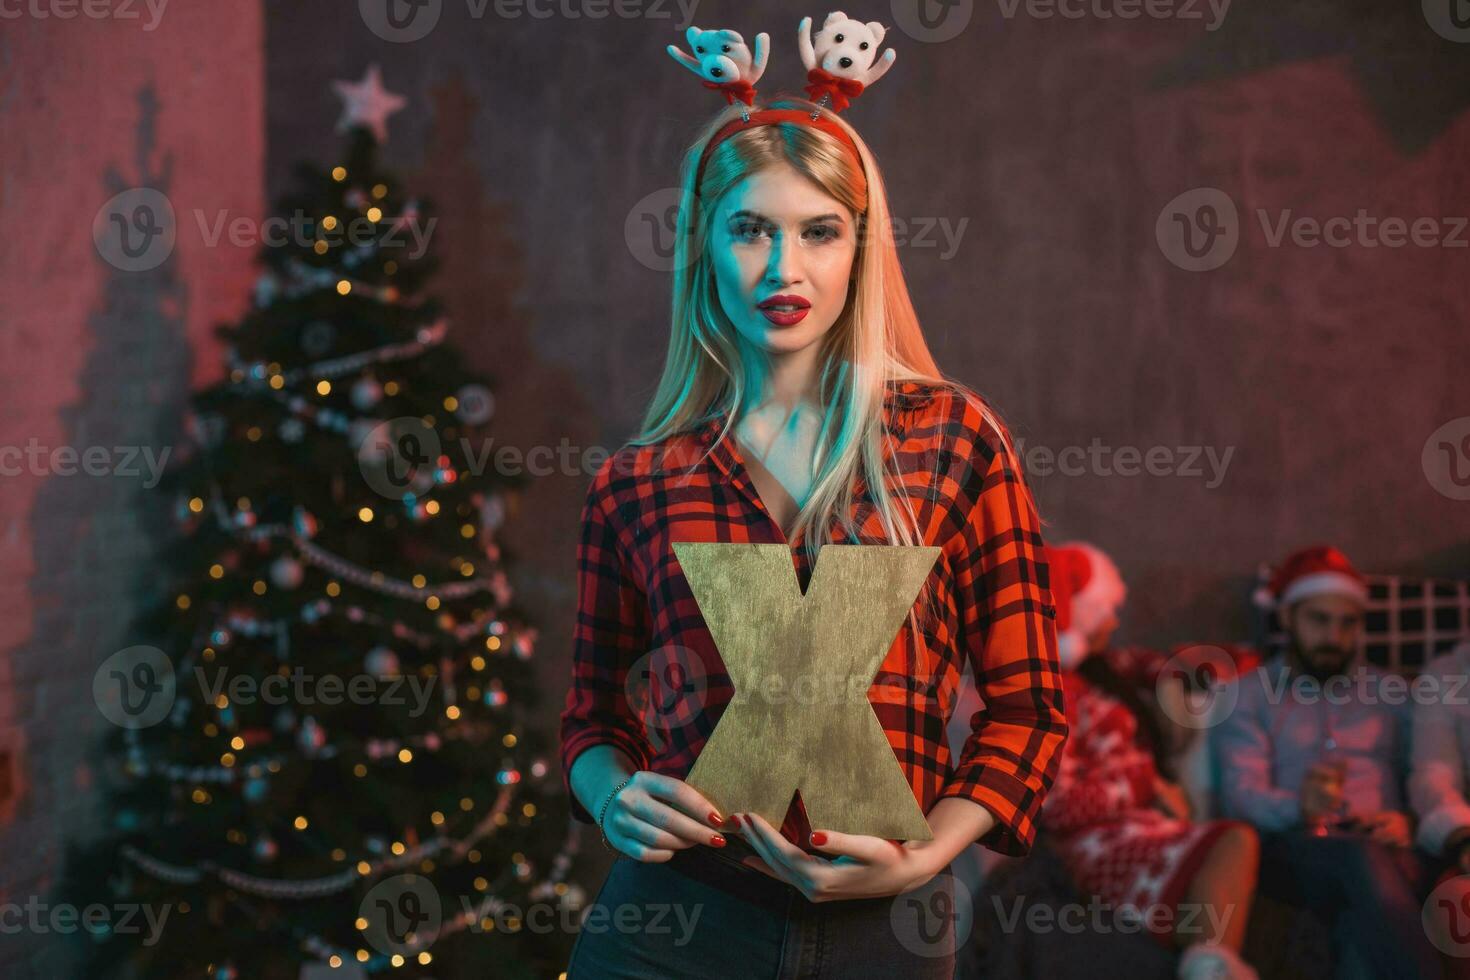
(317,338)
(367,103)
(801,666)
(303,523)
(366,394)
(286,572)
(474,404)
(311,736)
(381,662)
(492,512)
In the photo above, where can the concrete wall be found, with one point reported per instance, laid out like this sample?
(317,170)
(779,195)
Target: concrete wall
(1031,158)
(95,353)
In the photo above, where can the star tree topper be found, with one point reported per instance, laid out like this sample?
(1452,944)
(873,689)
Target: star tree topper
(802,666)
(367,103)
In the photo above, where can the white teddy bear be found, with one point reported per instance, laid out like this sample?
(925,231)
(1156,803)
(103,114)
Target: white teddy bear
(841,62)
(725,62)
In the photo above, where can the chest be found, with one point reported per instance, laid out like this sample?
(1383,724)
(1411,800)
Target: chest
(783,483)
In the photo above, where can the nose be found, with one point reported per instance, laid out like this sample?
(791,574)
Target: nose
(845,62)
(717,72)
(782,265)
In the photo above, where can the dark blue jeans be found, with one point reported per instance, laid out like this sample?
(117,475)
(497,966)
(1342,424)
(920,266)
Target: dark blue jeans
(1372,894)
(704,915)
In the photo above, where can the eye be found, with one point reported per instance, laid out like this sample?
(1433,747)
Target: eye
(839,38)
(824,233)
(725,48)
(698,49)
(863,46)
(744,229)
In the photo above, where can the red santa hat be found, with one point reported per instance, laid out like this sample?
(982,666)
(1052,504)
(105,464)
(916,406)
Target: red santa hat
(1087,589)
(1318,570)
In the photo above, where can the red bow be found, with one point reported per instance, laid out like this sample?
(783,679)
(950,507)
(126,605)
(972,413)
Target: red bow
(826,83)
(738,89)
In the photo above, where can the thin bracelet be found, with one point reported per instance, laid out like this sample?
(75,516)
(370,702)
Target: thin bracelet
(603,814)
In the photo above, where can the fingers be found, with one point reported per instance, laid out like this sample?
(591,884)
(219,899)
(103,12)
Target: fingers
(695,813)
(784,850)
(761,866)
(852,845)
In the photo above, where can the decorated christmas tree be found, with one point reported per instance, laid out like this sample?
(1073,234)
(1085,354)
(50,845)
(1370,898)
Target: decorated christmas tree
(323,758)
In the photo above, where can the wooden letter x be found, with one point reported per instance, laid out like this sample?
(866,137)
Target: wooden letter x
(801,666)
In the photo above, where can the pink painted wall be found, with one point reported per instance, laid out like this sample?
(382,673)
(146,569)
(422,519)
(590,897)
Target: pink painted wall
(92,355)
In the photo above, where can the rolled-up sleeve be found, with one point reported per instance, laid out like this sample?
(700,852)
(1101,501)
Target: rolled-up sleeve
(611,634)
(1008,632)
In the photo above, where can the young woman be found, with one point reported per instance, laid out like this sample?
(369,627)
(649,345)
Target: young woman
(799,404)
(1121,827)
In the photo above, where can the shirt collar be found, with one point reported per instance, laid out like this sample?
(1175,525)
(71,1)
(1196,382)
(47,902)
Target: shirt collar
(897,418)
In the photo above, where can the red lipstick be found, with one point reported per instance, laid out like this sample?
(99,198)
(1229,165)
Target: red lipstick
(784,309)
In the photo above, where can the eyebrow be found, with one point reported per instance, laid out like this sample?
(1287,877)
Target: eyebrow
(760,217)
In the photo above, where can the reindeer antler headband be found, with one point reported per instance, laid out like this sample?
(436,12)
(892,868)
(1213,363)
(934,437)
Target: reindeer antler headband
(840,63)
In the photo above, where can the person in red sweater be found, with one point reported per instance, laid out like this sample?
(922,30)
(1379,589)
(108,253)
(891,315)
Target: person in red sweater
(1121,827)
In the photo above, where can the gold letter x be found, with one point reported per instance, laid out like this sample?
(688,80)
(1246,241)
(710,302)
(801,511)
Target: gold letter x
(802,666)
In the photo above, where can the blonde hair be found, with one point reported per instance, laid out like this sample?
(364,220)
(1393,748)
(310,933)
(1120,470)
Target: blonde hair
(876,340)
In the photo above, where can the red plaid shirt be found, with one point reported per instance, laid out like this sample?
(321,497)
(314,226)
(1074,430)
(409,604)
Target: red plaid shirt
(995,602)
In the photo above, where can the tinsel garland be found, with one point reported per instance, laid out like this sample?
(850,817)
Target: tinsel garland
(490,904)
(307,888)
(255,374)
(351,571)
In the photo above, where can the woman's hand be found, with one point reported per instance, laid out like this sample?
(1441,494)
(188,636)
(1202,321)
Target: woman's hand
(865,867)
(654,816)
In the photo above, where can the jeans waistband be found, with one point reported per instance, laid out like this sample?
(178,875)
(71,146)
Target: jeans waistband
(720,867)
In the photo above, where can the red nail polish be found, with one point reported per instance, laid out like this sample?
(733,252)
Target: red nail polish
(819,838)
(714,818)
(716,840)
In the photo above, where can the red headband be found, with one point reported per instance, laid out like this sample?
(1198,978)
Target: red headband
(766,117)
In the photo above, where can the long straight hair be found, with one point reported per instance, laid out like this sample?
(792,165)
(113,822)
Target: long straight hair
(876,340)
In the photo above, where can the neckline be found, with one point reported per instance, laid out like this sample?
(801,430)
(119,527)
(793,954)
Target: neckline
(741,472)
